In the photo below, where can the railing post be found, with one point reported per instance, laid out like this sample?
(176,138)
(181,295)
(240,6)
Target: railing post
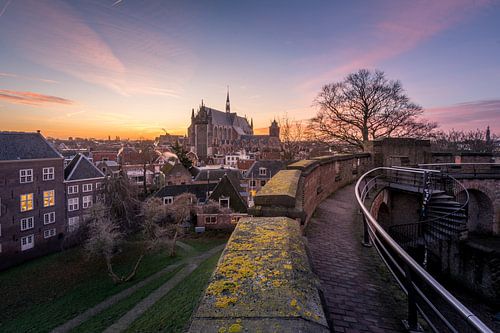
(411,324)
(366,236)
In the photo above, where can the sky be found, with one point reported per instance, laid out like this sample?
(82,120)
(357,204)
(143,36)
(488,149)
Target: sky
(133,69)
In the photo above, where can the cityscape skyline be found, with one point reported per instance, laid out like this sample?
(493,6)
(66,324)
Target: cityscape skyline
(129,69)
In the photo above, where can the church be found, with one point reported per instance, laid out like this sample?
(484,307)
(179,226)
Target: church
(213,132)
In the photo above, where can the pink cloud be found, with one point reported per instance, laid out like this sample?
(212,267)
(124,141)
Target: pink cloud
(403,27)
(115,52)
(468,115)
(31,98)
(12,75)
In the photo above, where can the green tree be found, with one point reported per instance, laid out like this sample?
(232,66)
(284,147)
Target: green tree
(182,155)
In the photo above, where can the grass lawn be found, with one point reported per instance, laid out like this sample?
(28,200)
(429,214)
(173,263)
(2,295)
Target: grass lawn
(106,318)
(44,293)
(173,312)
(205,241)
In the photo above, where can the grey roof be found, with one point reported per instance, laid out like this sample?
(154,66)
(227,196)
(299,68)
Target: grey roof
(25,146)
(81,168)
(272,168)
(216,174)
(199,190)
(221,118)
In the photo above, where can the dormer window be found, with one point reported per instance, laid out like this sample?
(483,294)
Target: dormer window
(224,202)
(262,172)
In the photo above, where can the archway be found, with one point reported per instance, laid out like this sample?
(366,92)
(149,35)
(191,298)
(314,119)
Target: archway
(481,212)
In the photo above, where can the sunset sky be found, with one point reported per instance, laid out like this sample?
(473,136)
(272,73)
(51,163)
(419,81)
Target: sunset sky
(130,68)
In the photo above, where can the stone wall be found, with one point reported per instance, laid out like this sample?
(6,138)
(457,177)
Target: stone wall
(399,151)
(262,283)
(296,192)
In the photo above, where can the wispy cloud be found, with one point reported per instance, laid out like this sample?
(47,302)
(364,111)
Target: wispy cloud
(468,115)
(117,51)
(31,98)
(12,75)
(403,27)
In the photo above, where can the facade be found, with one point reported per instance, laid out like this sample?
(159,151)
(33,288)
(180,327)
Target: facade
(259,174)
(84,184)
(32,213)
(178,175)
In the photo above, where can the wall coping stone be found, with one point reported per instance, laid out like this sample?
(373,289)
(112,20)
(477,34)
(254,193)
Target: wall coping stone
(280,190)
(263,282)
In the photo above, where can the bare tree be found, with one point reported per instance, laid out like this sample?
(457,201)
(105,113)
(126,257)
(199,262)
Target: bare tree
(463,141)
(366,106)
(292,135)
(121,200)
(162,223)
(104,238)
(148,155)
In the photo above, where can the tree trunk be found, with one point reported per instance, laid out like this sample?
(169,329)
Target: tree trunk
(172,249)
(117,279)
(144,180)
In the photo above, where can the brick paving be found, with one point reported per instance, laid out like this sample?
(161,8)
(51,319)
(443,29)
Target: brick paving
(359,292)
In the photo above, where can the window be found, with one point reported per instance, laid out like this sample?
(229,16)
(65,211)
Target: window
(25,176)
(253,183)
(262,171)
(27,223)
(86,187)
(49,198)
(48,173)
(27,242)
(73,204)
(210,219)
(87,201)
(49,218)
(26,202)
(235,219)
(98,186)
(224,202)
(101,197)
(49,233)
(73,223)
(262,182)
(72,189)
(168,200)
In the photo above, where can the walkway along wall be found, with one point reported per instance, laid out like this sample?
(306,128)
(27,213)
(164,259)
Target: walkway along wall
(263,281)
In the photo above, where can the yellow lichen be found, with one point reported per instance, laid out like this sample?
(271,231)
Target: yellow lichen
(235,328)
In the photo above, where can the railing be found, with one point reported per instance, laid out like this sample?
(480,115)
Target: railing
(484,170)
(441,310)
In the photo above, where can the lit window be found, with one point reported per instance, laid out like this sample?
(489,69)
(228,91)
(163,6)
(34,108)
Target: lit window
(262,171)
(27,223)
(49,233)
(49,218)
(27,242)
(86,187)
(73,223)
(26,202)
(224,202)
(25,176)
(73,204)
(210,219)
(87,201)
(72,189)
(168,200)
(49,198)
(48,173)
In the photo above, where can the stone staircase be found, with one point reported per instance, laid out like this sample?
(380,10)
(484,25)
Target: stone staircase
(446,218)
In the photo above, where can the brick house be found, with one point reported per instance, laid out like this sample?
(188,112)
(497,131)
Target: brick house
(259,174)
(32,202)
(83,182)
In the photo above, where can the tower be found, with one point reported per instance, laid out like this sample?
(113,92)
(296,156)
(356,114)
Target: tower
(488,135)
(274,129)
(228,105)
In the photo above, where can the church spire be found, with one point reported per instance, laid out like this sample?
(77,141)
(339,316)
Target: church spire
(228,104)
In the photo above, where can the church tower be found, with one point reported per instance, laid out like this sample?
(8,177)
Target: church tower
(274,129)
(228,105)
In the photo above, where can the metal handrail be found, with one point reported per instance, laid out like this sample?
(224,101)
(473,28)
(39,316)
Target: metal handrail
(379,237)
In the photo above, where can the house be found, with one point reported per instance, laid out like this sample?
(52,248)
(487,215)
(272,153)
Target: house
(32,201)
(228,194)
(84,186)
(98,156)
(109,168)
(202,192)
(177,175)
(259,174)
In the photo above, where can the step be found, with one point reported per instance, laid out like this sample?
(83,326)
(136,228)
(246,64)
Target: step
(448,208)
(450,218)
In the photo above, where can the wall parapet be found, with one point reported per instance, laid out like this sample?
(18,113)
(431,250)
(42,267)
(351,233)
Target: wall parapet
(262,282)
(313,181)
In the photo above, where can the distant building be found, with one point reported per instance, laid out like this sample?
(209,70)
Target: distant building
(84,186)
(109,168)
(259,174)
(98,156)
(32,211)
(177,175)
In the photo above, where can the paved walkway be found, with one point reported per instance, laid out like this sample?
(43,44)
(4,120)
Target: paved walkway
(358,289)
(190,262)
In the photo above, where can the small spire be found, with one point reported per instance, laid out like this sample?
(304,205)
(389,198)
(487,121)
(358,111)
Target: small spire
(251,122)
(228,104)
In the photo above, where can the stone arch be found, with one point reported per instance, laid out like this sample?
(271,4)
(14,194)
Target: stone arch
(384,216)
(481,212)
(488,188)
